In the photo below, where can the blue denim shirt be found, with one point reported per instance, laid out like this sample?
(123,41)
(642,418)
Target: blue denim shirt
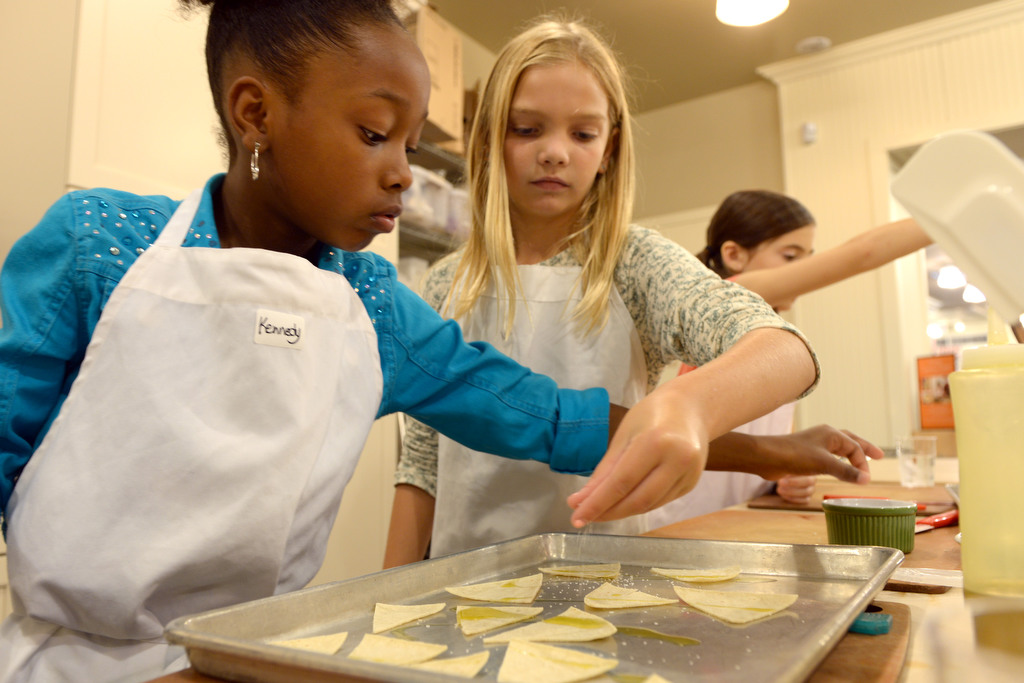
(58,277)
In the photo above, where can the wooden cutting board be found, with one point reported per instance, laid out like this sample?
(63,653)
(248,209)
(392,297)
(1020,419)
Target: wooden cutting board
(872,659)
(935,498)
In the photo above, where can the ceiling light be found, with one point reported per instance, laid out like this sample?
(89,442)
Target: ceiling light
(749,12)
(950,277)
(934,331)
(973,295)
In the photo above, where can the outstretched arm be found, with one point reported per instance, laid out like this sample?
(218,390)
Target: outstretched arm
(866,251)
(661,445)
(819,450)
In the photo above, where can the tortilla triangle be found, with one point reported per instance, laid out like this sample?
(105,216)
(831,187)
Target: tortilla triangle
(585,571)
(538,663)
(387,617)
(473,620)
(522,590)
(466,667)
(735,607)
(394,651)
(610,596)
(700,575)
(328,644)
(571,626)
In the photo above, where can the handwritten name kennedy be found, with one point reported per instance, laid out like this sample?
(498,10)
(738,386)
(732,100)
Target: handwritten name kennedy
(292,333)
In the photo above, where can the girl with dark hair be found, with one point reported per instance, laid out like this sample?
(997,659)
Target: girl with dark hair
(765,241)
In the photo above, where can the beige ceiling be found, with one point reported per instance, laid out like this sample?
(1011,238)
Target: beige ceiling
(676,50)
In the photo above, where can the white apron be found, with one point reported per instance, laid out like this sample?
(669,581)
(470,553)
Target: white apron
(719,490)
(482,499)
(198,461)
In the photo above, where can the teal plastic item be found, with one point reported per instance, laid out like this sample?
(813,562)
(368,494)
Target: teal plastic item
(872,623)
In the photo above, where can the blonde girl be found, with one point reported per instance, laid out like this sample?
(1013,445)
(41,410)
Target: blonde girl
(554,275)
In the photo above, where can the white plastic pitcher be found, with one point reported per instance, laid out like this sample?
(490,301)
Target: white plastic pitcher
(966,189)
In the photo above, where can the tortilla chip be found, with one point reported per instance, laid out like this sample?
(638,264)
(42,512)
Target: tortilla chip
(466,667)
(387,650)
(537,663)
(387,617)
(585,571)
(700,575)
(473,620)
(571,626)
(522,590)
(735,607)
(610,596)
(654,678)
(328,644)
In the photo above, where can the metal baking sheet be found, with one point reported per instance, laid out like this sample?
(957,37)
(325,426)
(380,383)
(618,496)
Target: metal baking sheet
(834,585)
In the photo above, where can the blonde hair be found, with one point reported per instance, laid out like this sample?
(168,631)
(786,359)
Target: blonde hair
(604,216)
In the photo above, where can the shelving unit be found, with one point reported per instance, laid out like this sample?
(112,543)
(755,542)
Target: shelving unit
(430,155)
(414,240)
(428,244)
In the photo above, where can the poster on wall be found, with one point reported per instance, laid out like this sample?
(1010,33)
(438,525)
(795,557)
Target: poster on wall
(933,390)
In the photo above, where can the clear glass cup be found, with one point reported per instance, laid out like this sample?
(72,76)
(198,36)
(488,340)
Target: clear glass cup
(917,456)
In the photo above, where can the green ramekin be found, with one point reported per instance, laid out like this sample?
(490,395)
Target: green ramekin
(871,521)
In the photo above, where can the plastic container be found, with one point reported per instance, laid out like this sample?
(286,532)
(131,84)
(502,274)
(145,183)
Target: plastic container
(871,521)
(988,407)
(966,189)
(426,201)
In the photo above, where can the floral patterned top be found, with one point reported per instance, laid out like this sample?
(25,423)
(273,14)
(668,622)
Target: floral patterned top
(682,312)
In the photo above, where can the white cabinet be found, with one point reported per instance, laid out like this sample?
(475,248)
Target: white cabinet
(142,116)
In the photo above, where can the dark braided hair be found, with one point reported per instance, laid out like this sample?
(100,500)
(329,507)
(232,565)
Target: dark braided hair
(281,36)
(749,218)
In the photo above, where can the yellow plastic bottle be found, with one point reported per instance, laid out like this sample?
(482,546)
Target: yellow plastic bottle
(988,408)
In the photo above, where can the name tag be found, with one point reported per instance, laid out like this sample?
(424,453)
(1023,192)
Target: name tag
(274,328)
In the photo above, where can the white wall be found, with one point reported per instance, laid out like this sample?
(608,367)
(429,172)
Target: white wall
(693,154)
(893,90)
(37,42)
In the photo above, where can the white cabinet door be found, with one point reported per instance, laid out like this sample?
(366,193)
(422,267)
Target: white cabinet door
(142,115)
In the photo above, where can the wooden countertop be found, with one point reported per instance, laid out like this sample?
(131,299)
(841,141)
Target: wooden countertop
(770,519)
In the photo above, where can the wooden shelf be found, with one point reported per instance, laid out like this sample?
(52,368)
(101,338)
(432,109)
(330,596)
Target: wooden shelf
(451,166)
(427,244)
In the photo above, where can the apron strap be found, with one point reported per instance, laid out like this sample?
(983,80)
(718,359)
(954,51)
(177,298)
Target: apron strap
(177,228)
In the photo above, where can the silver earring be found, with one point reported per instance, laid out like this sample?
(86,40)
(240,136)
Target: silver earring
(254,162)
